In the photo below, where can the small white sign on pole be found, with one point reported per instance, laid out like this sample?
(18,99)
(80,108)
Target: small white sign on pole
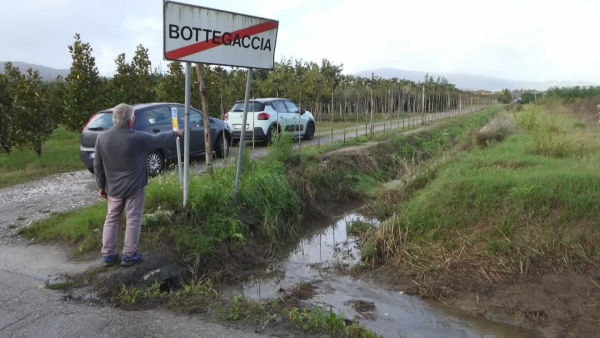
(204,35)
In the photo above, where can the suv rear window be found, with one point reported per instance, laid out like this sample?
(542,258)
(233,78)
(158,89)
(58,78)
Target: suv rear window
(252,106)
(102,121)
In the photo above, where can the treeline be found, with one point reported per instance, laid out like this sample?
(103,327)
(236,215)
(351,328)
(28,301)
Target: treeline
(573,92)
(30,109)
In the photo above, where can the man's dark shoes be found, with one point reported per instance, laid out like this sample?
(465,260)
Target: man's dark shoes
(110,260)
(131,260)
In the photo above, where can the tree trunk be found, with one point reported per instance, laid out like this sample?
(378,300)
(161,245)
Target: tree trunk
(207,145)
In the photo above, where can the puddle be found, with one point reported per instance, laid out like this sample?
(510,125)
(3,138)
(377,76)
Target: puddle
(391,314)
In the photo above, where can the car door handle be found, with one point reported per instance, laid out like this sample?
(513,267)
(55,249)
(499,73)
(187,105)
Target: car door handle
(156,130)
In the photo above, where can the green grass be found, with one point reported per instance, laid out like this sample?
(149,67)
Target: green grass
(213,215)
(59,154)
(198,296)
(530,201)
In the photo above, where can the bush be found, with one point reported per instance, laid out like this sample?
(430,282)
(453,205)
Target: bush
(497,130)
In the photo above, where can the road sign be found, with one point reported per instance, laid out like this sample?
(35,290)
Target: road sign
(204,35)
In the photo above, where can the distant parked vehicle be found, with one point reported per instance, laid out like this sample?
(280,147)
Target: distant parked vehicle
(156,118)
(518,101)
(264,120)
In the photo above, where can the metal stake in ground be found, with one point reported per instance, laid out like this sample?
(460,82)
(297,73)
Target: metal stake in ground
(238,171)
(186,138)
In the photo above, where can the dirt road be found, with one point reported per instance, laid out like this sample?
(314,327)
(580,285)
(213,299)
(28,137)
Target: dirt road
(30,311)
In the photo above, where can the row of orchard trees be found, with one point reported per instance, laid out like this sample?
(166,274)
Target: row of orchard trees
(31,108)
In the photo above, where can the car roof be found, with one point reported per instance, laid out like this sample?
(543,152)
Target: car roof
(142,106)
(264,100)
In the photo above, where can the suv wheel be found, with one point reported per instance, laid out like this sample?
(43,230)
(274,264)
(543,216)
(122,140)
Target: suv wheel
(309,134)
(222,147)
(155,163)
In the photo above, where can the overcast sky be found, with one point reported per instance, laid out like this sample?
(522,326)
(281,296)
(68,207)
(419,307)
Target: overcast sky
(515,39)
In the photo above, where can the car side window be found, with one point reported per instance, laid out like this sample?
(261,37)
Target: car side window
(158,116)
(292,108)
(279,106)
(195,116)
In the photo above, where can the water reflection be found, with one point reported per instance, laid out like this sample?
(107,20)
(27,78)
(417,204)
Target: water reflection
(395,314)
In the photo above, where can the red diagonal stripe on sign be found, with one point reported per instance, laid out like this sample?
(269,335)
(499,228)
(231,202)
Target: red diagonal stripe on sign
(205,45)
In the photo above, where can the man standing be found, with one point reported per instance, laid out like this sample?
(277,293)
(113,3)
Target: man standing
(122,175)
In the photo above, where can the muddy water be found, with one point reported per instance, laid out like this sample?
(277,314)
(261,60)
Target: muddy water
(314,260)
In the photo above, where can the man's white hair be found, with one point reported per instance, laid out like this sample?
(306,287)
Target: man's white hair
(122,114)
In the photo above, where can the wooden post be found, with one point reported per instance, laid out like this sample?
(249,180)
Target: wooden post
(204,98)
(345,112)
(372,107)
(331,110)
(356,108)
(299,119)
(423,108)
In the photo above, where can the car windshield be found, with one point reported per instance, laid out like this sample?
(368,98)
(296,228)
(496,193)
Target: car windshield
(102,121)
(252,106)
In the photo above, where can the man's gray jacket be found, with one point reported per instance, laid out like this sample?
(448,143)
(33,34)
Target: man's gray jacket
(120,159)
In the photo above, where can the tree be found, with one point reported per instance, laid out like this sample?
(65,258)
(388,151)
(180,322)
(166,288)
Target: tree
(133,82)
(10,135)
(141,70)
(55,97)
(6,112)
(33,119)
(171,87)
(122,86)
(506,97)
(83,86)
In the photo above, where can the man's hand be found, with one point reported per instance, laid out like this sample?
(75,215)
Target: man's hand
(179,133)
(102,193)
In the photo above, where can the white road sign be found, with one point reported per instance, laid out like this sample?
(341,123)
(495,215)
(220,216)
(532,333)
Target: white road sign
(204,35)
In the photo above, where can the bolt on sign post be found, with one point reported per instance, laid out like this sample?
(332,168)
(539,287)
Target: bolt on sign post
(176,128)
(201,35)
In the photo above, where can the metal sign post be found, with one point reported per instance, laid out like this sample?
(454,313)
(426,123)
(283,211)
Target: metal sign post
(175,123)
(238,171)
(186,138)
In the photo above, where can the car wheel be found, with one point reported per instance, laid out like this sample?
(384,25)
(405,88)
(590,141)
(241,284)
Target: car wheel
(234,143)
(155,163)
(222,147)
(309,134)
(271,135)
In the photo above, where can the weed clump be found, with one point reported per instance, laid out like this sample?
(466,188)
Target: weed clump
(497,130)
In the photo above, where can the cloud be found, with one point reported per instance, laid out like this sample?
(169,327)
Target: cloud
(518,39)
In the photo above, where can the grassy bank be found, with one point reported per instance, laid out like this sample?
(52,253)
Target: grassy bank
(59,154)
(519,204)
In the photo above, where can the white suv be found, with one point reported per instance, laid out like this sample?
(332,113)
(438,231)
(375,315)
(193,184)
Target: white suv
(264,115)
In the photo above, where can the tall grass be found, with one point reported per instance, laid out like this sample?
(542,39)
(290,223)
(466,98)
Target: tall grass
(529,204)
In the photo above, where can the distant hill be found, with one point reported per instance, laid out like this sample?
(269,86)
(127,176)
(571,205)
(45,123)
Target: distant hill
(471,82)
(47,73)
